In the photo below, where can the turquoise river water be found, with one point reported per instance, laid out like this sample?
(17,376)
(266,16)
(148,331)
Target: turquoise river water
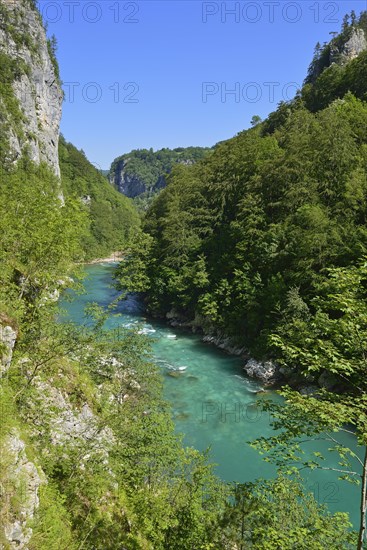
(213,402)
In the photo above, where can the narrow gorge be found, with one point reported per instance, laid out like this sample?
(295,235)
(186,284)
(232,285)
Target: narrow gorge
(122,426)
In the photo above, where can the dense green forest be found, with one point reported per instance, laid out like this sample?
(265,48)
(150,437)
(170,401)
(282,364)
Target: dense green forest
(241,240)
(112,217)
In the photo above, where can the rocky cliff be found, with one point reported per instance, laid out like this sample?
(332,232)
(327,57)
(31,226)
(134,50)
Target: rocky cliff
(30,106)
(341,49)
(33,124)
(345,52)
(131,184)
(143,171)
(30,112)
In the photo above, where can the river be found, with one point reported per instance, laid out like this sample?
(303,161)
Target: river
(213,402)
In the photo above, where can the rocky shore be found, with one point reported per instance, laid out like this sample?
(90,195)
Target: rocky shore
(267,371)
(112,258)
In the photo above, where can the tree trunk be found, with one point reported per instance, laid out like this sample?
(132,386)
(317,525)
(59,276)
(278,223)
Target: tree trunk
(362,526)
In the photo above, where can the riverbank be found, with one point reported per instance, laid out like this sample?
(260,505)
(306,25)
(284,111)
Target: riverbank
(114,257)
(267,372)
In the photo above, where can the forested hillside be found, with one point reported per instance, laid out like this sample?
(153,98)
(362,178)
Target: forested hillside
(142,173)
(239,242)
(112,218)
(243,237)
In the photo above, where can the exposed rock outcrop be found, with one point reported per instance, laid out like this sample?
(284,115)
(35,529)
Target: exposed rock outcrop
(30,113)
(225,344)
(143,171)
(67,424)
(37,87)
(342,49)
(8,337)
(23,479)
(267,372)
(133,185)
(355,45)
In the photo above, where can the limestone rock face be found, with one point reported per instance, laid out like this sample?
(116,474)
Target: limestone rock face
(266,372)
(66,424)
(328,381)
(225,344)
(129,185)
(8,336)
(356,44)
(340,50)
(24,477)
(143,171)
(132,185)
(37,87)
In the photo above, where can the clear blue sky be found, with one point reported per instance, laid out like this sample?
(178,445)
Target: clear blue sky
(158,73)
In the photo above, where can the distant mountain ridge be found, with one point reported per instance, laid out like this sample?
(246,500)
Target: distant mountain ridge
(142,171)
